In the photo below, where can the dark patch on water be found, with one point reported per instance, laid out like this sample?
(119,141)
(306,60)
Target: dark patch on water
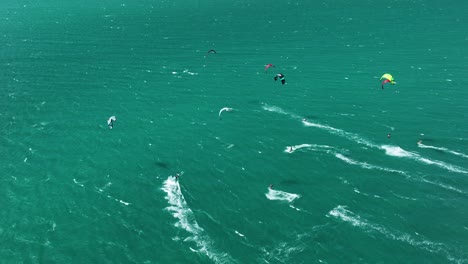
(162,164)
(289,182)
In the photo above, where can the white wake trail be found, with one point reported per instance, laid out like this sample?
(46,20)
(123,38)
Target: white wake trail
(186,220)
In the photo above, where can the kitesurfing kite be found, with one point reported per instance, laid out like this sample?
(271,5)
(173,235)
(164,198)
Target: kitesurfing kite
(211,51)
(110,121)
(280,77)
(268,66)
(387,78)
(227,109)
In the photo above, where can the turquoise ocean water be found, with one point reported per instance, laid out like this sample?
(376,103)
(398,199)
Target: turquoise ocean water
(74,191)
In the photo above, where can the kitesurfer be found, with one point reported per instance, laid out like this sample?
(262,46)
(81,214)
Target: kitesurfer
(270,187)
(280,76)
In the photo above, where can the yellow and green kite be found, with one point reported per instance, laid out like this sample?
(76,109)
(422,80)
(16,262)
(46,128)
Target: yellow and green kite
(387,78)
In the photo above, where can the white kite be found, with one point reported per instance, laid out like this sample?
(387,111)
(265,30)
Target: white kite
(227,109)
(110,121)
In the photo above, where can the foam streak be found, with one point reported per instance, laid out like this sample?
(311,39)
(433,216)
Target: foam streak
(340,212)
(389,150)
(179,208)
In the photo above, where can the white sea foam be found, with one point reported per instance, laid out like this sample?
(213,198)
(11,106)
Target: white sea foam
(389,150)
(340,212)
(239,234)
(443,165)
(123,202)
(336,131)
(404,197)
(281,196)
(399,152)
(445,186)
(293,207)
(387,126)
(291,149)
(281,252)
(118,200)
(347,160)
(339,132)
(344,114)
(274,109)
(329,149)
(179,208)
(421,145)
(365,165)
(104,187)
(78,183)
(189,72)
(314,147)
(278,110)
